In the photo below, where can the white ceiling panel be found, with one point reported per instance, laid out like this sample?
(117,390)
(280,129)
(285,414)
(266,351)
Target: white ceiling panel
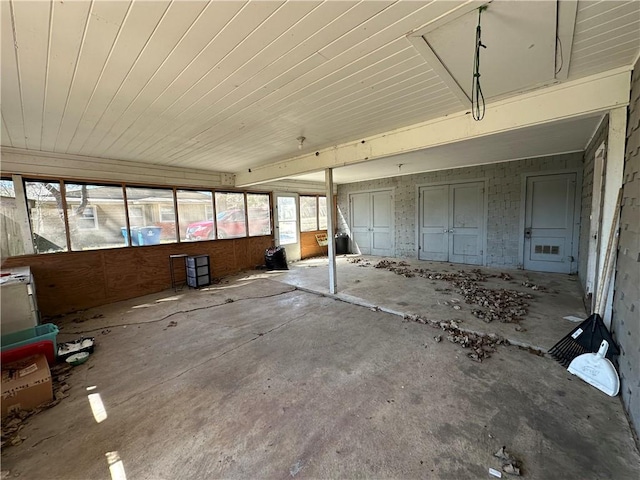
(10,83)
(518,55)
(227,85)
(607,35)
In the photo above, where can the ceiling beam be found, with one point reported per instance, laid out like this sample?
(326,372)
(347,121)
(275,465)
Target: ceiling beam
(587,96)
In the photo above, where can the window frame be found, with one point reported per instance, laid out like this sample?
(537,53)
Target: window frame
(269,210)
(161,214)
(133,213)
(94,217)
(317,201)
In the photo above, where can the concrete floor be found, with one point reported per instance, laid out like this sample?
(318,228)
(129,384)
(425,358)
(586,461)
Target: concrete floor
(541,328)
(260,380)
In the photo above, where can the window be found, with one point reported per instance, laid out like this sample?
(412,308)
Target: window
(136,216)
(44,203)
(308,214)
(154,219)
(195,214)
(322,213)
(11,238)
(167,214)
(313,213)
(88,219)
(230,219)
(258,214)
(96,216)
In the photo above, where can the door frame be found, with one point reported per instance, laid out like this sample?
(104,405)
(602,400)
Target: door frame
(595,223)
(393,215)
(276,227)
(485,210)
(577,204)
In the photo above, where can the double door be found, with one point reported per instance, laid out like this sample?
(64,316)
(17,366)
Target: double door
(372,222)
(451,226)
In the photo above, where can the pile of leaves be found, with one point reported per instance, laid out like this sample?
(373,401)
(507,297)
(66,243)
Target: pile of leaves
(502,305)
(481,346)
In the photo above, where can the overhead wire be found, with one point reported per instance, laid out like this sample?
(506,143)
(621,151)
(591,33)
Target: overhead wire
(477,97)
(559,50)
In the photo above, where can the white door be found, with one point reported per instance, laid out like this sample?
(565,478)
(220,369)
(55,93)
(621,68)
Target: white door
(466,222)
(549,223)
(381,223)
(372,223)
(286,222)
(360,219)
(451,223)
(434,223)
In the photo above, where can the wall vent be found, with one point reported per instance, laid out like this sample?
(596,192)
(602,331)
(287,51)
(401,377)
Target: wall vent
(547,249)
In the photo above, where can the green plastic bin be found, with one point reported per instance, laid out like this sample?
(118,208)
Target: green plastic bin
(47,331)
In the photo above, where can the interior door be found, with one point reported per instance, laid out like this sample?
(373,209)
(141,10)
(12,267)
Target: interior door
(286,221)
(360,220)
(451,223)
(466,222)
(549,223)
(381,223)
(434,223)
(372,222)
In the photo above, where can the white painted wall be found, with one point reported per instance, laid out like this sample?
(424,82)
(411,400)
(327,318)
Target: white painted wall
(504,200)
(75,167)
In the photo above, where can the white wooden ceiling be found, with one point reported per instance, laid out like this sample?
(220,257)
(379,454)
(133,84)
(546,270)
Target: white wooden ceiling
(225,86)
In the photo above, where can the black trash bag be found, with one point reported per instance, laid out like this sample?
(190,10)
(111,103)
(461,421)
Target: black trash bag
(342,243)
(275,258)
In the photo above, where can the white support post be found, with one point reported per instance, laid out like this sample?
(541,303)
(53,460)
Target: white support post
(331,222)
(614,172)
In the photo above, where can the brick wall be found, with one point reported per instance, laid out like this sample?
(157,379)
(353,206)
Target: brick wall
(504,184)
(587,194)
(626,301)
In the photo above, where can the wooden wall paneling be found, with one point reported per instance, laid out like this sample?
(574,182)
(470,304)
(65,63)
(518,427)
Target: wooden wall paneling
(222,257)
(65,282)
(71,281)
(240,252)
(309,245)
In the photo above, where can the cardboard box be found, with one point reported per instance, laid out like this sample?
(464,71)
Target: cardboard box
(26,384)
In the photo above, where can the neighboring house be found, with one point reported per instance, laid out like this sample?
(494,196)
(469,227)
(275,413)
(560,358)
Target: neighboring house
(101,223)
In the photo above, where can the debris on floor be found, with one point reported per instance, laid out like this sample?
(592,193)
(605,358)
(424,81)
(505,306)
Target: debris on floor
(13,423)
(510,464)
(361,262)
(495,473)
(399,268)
(481,345)
(503,305)
(84,344)
(172,323)
(533,286)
